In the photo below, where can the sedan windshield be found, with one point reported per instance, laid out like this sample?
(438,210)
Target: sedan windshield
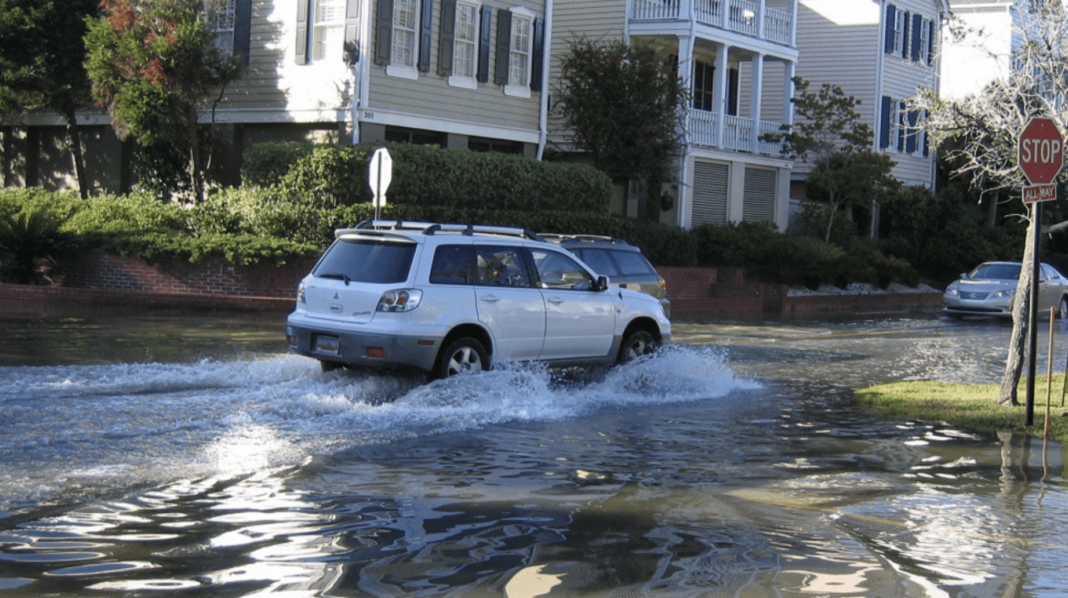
(996,272)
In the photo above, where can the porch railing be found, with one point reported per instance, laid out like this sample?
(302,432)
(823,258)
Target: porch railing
(742,16)
(737,134)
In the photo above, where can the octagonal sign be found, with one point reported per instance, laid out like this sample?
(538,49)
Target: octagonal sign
(1041,151)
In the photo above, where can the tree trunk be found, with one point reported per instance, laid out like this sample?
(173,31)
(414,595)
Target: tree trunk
(75,137)
(1014,362)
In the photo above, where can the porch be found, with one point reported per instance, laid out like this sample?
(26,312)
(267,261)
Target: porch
(747,17)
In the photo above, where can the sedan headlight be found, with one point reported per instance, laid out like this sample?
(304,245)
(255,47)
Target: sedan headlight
(1003,293)
(400,300)
(952,291)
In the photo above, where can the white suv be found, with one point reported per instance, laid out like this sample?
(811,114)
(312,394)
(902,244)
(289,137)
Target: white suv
(450,298)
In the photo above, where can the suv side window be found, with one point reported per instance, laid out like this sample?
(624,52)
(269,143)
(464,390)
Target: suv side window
(558,271)
(502,266)
(453,264)
(600,261)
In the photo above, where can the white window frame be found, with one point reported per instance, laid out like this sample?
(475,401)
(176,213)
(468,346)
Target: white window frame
(925,41)
(328,30)
(404,40)
(520,53)
(465,49)
(900,27)
(221,19)
(896,110)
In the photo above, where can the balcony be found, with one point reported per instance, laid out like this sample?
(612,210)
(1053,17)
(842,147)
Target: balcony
(741,16)
(738,134)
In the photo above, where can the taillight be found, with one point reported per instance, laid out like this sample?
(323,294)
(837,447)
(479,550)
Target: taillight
(400,300)
(663,283)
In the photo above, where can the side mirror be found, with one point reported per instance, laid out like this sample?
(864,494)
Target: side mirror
(602,283)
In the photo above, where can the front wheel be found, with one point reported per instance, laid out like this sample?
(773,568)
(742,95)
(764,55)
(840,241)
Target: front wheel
(1062,309)
(462,355)
(635,345)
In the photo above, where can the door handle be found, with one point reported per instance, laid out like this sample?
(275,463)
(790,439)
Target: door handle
(555,300)
(490,298)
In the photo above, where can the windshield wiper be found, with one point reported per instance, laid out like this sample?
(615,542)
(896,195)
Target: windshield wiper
(339,276)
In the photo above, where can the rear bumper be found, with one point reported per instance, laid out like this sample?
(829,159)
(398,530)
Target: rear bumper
(361,348)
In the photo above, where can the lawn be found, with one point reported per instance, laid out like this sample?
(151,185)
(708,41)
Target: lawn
(970,406)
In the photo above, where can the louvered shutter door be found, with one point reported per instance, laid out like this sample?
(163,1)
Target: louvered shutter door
(383,31)
(884,124)
(485,20)
(301,44)
(447,37)
(242,29)
(891,16)
(917,24)
(504,46)
(536,69)
(710,186)
(426,23)
(758,199)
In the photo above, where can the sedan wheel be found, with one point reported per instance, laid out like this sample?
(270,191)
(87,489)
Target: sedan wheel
(462,355)
(635,345)
(1062,309)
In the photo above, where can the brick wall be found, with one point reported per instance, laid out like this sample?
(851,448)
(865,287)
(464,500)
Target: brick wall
(98,278)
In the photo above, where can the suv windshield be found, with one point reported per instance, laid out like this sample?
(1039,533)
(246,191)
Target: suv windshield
(367,261)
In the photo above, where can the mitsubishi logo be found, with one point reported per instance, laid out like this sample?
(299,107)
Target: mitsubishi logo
(335,296)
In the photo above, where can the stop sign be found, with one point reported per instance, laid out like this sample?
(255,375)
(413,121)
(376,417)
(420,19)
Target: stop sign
(1040,150)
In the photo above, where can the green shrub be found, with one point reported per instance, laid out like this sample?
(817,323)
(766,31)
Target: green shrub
(26,237)
(263,164)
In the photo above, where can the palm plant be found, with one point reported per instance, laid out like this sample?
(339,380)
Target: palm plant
(24,238)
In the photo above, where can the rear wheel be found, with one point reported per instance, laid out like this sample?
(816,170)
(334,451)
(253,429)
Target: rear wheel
(462,355)
(1062,309)
(635,345)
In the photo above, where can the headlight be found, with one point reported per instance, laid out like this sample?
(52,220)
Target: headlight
(1002,293)
(400,300)
(952,291)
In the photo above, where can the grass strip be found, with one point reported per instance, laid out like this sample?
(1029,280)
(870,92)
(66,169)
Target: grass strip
(970,406)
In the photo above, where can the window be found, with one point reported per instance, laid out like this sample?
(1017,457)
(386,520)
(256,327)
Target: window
(896,130)
(703,79)
(558,271)
(925,42)
(900,26)
(502,267)
(403,49)
(465,45)
(519,54)
(453,264)
(221,18)
(328,29)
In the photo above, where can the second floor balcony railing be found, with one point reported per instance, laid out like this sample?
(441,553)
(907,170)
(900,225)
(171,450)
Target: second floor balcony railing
(742,16)
(737,133)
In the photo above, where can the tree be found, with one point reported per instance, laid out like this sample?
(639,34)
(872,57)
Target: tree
(153,65)
(41,64)
(829,134)
(624,104)
(980,133)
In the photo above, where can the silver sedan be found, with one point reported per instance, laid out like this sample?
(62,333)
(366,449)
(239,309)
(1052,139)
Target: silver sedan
(990,288)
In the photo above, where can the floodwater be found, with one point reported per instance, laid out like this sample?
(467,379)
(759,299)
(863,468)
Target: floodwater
(162,454)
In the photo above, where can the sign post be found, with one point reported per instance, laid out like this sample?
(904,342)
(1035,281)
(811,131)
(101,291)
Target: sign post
(379,175)
(1040,151)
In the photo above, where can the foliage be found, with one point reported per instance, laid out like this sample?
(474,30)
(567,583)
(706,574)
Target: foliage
(152,63)
(970,406)
(41,56)
(264,164)
(827,122)
(25,238)
(624,104)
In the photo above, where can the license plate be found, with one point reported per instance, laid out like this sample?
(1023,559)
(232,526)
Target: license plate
(329,345)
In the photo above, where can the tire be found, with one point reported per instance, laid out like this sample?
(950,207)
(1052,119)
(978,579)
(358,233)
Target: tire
(461,356)
(1062,309)
(635,345)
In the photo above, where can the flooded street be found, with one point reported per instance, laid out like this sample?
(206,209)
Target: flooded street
(183,454)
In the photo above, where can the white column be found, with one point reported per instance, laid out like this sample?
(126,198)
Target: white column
(788,94)
(686,45)
(719,91)
(756,97)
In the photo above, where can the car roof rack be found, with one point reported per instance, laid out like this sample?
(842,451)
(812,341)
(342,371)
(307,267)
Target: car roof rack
(431,228)
(558,237)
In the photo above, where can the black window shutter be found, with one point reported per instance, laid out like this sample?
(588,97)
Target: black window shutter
(426,23)
(352,30)
(242,29)
(486,19)
(539,54)
(905,36)
(301,53)
(383,31)
(504,44)
(884,121)
(917,23)
(891,13)
(447,37)
(902,125)
(926,149)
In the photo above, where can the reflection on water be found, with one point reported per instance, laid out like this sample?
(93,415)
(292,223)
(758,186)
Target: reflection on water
(736,469)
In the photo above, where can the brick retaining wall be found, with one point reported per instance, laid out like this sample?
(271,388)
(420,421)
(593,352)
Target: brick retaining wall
(96,278)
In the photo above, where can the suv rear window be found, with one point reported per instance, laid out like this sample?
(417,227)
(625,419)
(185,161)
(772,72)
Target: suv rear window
(367,261)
